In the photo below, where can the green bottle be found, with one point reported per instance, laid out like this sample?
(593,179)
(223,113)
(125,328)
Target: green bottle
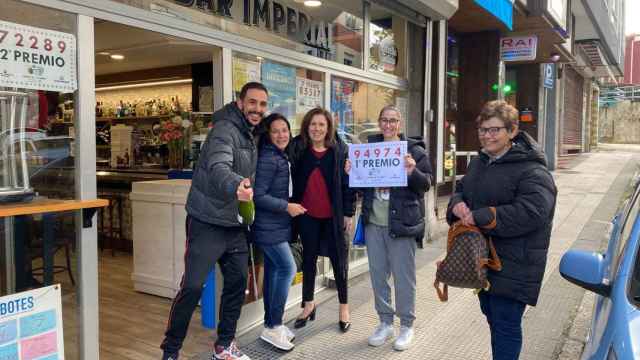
(246,211)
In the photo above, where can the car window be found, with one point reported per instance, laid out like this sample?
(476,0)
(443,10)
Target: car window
(634,288)
(625,231)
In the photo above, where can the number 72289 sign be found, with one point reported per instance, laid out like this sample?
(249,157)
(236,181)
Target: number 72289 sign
(38,59)
(378,164)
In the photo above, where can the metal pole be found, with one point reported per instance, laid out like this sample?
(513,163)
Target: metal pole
(12,144)
(23,153)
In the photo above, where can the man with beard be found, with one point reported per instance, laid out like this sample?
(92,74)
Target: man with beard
(222,177)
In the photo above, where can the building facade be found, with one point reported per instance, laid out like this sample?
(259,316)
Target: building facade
(137,63)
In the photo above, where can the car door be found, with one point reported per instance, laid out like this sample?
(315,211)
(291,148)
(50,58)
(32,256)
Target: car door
(601,331)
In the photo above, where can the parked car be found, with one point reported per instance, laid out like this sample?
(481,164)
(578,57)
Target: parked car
(614,276)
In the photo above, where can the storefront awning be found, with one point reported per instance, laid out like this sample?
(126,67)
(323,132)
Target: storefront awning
(472,17)
(501,9)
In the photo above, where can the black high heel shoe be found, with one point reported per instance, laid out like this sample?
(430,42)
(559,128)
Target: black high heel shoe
(302,322)
(344,326)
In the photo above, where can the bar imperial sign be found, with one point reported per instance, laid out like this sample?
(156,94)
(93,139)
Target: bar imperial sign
(273,16)
(35,58)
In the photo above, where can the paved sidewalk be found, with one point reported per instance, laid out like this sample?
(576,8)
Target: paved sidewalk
(588,195)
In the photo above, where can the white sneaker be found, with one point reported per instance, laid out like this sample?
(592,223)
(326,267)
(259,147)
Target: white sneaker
(277,337)
(290,334)
(403,341)
(381,334)
(231,352)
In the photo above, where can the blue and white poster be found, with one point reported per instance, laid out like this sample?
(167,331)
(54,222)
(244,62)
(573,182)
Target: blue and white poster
(342,103)
(31,325)
(280,81)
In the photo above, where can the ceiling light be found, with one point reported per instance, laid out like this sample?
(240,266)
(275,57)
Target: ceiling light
(312,3)
(104,53)
(117,57)
(148,84)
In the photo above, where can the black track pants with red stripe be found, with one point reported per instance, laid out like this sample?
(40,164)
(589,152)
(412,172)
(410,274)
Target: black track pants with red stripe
(206,245)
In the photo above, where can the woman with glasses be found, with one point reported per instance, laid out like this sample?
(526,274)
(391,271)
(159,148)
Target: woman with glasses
(510,195)
(394,221)
(322,187)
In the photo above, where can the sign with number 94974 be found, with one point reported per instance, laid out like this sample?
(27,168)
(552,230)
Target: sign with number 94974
(379,164)
(36,58)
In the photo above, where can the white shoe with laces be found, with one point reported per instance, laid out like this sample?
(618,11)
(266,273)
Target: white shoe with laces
(277,337)
(403,341)
(381,334)
(230,352)
(290,334)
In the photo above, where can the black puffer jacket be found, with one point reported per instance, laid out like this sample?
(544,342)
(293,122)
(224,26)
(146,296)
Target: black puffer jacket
(522,191)
(271,194)
(228,155)
(406,204)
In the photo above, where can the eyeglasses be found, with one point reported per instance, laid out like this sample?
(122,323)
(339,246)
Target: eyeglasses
(389,121)
(493,131)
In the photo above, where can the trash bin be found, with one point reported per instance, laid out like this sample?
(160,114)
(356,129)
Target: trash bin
(208,301)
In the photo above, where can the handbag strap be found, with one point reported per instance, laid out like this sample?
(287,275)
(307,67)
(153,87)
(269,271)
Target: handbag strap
(443,294)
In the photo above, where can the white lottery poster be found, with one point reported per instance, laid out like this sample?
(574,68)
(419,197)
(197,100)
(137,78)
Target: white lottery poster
(309,94)
(31,325)
(35,58)
(378,164)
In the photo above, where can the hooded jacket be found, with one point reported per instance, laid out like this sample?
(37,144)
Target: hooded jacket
(228,156)
(522,192)
(406,204)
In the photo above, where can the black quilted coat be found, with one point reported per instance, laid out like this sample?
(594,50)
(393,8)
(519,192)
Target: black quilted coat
(523,193)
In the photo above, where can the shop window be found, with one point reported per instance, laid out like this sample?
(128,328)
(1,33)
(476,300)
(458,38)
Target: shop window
(292,91)
(387,34)
(326,31)
(356,105)
(37,119)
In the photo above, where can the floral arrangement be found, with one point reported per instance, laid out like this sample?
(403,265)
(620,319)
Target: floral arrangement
(173,132)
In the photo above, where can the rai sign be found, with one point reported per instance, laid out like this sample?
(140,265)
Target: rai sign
(518,48)
(38,59)
(378,164)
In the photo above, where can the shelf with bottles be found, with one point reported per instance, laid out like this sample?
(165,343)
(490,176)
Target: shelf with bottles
(132,118)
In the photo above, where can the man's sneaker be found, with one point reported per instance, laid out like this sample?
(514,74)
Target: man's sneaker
(277,337)
(290,334)
(381,334)
(230,352)
(169,356)
(403,341)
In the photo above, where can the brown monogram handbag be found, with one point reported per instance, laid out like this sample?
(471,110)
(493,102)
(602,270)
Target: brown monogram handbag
(469,254)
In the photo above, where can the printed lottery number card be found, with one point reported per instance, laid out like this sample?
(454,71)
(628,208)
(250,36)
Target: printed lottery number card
(378,164)
(31,325)
(38,59)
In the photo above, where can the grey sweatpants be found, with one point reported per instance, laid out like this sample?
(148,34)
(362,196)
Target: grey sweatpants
(392,256)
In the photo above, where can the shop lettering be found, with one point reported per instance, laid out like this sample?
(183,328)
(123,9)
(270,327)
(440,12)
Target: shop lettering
(509,42)
(272,16)
(38,59)
(16,306)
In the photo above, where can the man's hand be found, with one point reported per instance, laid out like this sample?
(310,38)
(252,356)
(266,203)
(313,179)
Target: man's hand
(468,220)
(461,210)
(347,166)
(245,192)
(347,223)
(295,209)
(409,163)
